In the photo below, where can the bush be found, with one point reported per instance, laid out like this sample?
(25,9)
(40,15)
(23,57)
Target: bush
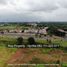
(19,41)
(58,62)
(36,60)
(31,40)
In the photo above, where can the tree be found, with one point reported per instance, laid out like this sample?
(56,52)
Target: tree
(53,30)
(58,62)
(31,40)
(19,40)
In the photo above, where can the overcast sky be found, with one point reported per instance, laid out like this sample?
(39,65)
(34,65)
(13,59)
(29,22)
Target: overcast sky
(33,10)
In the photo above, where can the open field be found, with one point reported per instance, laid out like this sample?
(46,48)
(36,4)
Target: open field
(31,55)
(5,54)
(51,55)
(12,39)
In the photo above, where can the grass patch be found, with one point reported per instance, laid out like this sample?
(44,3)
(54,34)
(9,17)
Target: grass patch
(40,65)
(64,65)
(36,61)
(5,54)
(46,50)
(6,40)
(39,41)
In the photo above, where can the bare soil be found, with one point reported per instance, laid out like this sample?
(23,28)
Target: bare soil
(27,54)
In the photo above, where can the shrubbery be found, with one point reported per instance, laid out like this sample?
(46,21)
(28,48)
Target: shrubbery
(31,40)
(19,41)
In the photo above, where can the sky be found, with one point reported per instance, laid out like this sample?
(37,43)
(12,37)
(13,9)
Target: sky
(33,10)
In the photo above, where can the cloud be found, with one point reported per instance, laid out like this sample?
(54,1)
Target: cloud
(33,10)
(35,5)
(3,2)
(31,5)
(63,3)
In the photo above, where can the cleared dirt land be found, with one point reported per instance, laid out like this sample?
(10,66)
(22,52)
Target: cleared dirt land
(36,56)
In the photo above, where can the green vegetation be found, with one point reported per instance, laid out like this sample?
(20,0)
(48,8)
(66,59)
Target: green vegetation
(64,65)
(20,41)
(6,40)
(41,41)
(31,41)
(9,40)
(46,50)
(40,65)
(36,61)
(5,54)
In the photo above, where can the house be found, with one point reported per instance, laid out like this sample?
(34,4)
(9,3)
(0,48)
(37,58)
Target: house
(37,31)
(31,31)
(15,31)
(43,31)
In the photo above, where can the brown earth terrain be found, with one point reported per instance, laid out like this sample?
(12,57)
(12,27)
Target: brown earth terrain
(27,55)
